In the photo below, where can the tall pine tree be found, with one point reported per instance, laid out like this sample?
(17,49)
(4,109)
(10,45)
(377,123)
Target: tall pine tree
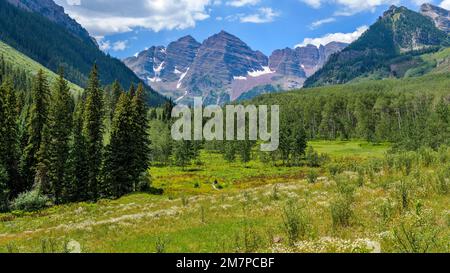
(119,159)
(9,154)
(140,139)
(37,118)
(93,132)
(77,189)
(59,130)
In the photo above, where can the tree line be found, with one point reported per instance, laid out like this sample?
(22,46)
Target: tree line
(56,145)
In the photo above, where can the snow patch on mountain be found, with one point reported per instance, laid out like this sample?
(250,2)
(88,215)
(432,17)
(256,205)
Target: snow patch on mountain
(258,73)
(180,81)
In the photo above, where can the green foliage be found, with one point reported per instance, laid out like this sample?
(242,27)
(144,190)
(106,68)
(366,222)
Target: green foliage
(4,190)
(410,113)
(51,45)
(30,201)
(387,46)
(417,233)
(37,119)
(341,212)
(296,223)
(118,171)
(93,132)
(59,129)
(312,176)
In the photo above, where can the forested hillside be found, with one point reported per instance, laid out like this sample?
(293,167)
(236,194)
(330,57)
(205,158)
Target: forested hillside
(26,66)
(411,112)
(390,47)
(53,46)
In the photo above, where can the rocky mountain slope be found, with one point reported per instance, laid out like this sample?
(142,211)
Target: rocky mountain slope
(440,16)
(388,49)
(224,68)
(56,14)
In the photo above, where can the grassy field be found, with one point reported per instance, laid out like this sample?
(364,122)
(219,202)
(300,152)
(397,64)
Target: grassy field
(361,200)
(30,66)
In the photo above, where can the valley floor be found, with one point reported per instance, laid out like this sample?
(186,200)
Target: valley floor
(360,201)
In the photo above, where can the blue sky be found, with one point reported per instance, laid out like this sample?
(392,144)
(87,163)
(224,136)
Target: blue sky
(125,27)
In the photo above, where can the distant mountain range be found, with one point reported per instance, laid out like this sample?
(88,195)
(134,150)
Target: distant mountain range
(223,68)
(41,30)
(390,48)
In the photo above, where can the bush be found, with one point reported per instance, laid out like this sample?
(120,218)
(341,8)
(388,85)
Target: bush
(341,211)
(312,176)
(312,157)
(417,233)
(144,183)
(296,223)
(30,201)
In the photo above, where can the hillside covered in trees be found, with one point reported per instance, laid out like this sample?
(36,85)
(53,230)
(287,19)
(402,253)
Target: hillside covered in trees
(53,46)
(387,49)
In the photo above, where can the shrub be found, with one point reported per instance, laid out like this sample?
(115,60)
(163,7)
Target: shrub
(416,233)
(443,183)
(312,157)
(296,222)
(345,187)
(144,183)
(341,211)
(335,168)
(312,176)
(30,201)
(403,194)
(275,195)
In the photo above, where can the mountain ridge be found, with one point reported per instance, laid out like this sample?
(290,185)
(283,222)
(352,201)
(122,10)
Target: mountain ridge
(394,40)
(223,68)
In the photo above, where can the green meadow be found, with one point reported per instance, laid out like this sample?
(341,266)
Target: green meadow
(362,199)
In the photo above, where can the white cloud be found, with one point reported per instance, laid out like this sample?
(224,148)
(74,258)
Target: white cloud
(108,45)
(313,3)
(102,17)
(241,3)
(335,37)
(350,7)
(445,4)
(319,23)
(263,15)
(120,45)
(420,2)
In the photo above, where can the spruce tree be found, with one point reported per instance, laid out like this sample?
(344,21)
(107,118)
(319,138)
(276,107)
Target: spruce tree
(119,160)
(4,190)
(115,95)
(37,118)
(59,129)
(77,189)
(140,139)
(9,154)
(93,132)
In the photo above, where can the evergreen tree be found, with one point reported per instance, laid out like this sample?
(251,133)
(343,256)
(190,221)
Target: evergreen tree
(93,132)
(140,134)
(37,119)
(4,190)
(115,95)
(77,190)
(9,135)
(119,160)
(299,144)
(183,152)
(60,128)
